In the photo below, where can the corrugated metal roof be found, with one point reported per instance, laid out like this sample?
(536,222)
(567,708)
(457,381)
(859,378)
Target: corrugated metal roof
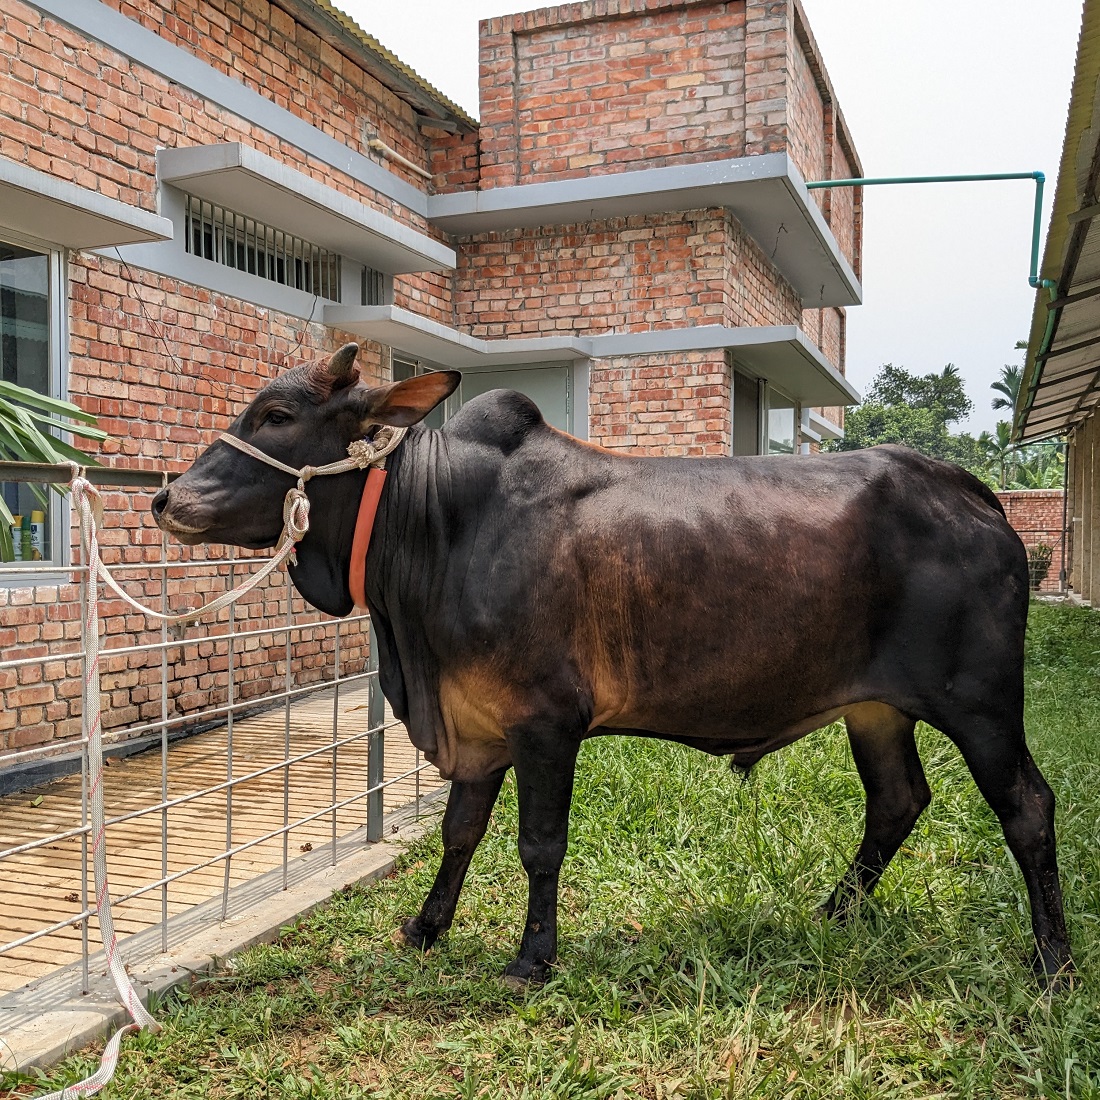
(1062,370)
(341,32)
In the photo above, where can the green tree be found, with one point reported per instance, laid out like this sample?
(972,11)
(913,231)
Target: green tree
(1008,385)
(1040,466)
(915,411)
(941,394)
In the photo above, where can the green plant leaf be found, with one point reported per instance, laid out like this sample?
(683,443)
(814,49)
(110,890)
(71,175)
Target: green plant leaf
(40,401)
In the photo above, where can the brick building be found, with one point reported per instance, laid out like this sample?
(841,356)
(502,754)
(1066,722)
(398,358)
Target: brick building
(195,194)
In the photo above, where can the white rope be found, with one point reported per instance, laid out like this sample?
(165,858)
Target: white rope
(88,505)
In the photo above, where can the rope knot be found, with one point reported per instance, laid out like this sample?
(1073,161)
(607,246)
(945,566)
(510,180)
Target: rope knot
(296,514)
(362,451)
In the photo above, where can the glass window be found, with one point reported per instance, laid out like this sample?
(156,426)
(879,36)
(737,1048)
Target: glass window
(781,421)
(26,359)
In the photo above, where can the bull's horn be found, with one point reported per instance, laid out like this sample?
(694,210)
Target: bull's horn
(341,364)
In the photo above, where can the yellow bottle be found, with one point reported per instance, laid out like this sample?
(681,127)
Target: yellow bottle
(38,535)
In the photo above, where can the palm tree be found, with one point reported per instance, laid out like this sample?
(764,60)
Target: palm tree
(1000,452)
(1009,385)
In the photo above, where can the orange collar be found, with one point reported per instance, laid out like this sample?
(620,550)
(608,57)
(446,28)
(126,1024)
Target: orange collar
(360,542)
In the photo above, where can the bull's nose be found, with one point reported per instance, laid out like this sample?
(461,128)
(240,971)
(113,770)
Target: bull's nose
(160,502)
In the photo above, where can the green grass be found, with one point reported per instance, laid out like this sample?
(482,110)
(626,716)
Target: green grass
(691,964)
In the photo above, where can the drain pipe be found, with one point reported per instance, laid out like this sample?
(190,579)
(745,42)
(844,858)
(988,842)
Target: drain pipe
(379,146)
(1033,279)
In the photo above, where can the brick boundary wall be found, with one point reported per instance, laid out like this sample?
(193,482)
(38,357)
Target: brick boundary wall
(1036,516)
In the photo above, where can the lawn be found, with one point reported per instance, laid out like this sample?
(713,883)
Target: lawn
(691,963)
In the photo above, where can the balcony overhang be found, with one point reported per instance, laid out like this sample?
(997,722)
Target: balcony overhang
(780,353)
(426,339)
(248,182)
(50,209)
(765,193)
(819,428)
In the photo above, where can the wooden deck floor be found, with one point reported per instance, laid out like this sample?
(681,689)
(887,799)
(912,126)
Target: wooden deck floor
(43,886)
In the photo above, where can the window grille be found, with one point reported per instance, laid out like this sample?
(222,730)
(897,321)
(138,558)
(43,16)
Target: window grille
(246,244)
(374,287)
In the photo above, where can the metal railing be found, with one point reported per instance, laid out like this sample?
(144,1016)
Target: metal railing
(240,772)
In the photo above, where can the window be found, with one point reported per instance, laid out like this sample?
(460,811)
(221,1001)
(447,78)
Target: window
(374,287)
(248,245)
(781,420)
(29,357)
(765,420)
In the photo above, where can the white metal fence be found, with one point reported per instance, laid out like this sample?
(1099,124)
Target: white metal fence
(247,750)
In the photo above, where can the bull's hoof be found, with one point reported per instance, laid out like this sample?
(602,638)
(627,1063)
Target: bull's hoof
(521,974)
(414,934)
(1054,978)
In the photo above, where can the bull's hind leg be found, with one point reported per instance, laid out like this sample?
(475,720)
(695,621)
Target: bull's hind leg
(464,822)
(886,757)
(1010,782)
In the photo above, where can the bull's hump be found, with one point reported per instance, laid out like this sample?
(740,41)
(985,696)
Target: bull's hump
(498,418)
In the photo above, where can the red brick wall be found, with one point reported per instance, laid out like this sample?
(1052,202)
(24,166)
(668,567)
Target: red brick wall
(758,295)
(259,44)
(584,89)
(161,405)
(767,25)
(697,267)
(592,88)
(1036,516)
(662,404)
(74,108)
(41,702)
(626,274)
(166,365)
(806,123)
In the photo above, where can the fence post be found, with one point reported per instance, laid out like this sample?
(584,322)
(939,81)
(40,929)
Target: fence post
(376,744)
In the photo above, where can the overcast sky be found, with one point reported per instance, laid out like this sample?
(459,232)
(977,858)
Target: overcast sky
(937,87)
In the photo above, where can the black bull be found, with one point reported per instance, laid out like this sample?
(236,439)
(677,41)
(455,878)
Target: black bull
(530,590)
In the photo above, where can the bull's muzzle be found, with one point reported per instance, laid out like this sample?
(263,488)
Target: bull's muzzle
(178,511)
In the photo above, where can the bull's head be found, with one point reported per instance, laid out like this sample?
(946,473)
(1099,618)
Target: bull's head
(305,417)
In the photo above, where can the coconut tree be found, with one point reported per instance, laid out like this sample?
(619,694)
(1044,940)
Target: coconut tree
(1008,386)
(1000,453)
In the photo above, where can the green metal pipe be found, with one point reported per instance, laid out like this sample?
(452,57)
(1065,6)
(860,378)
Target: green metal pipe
(1036,226)
(986,177)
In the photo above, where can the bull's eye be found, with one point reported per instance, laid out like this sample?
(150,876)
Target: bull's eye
(275,417)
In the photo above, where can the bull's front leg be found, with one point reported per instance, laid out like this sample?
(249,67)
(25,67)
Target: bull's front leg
(545,762)
(464,822)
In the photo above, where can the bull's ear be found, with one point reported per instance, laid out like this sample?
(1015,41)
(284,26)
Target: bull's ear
(402,404)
